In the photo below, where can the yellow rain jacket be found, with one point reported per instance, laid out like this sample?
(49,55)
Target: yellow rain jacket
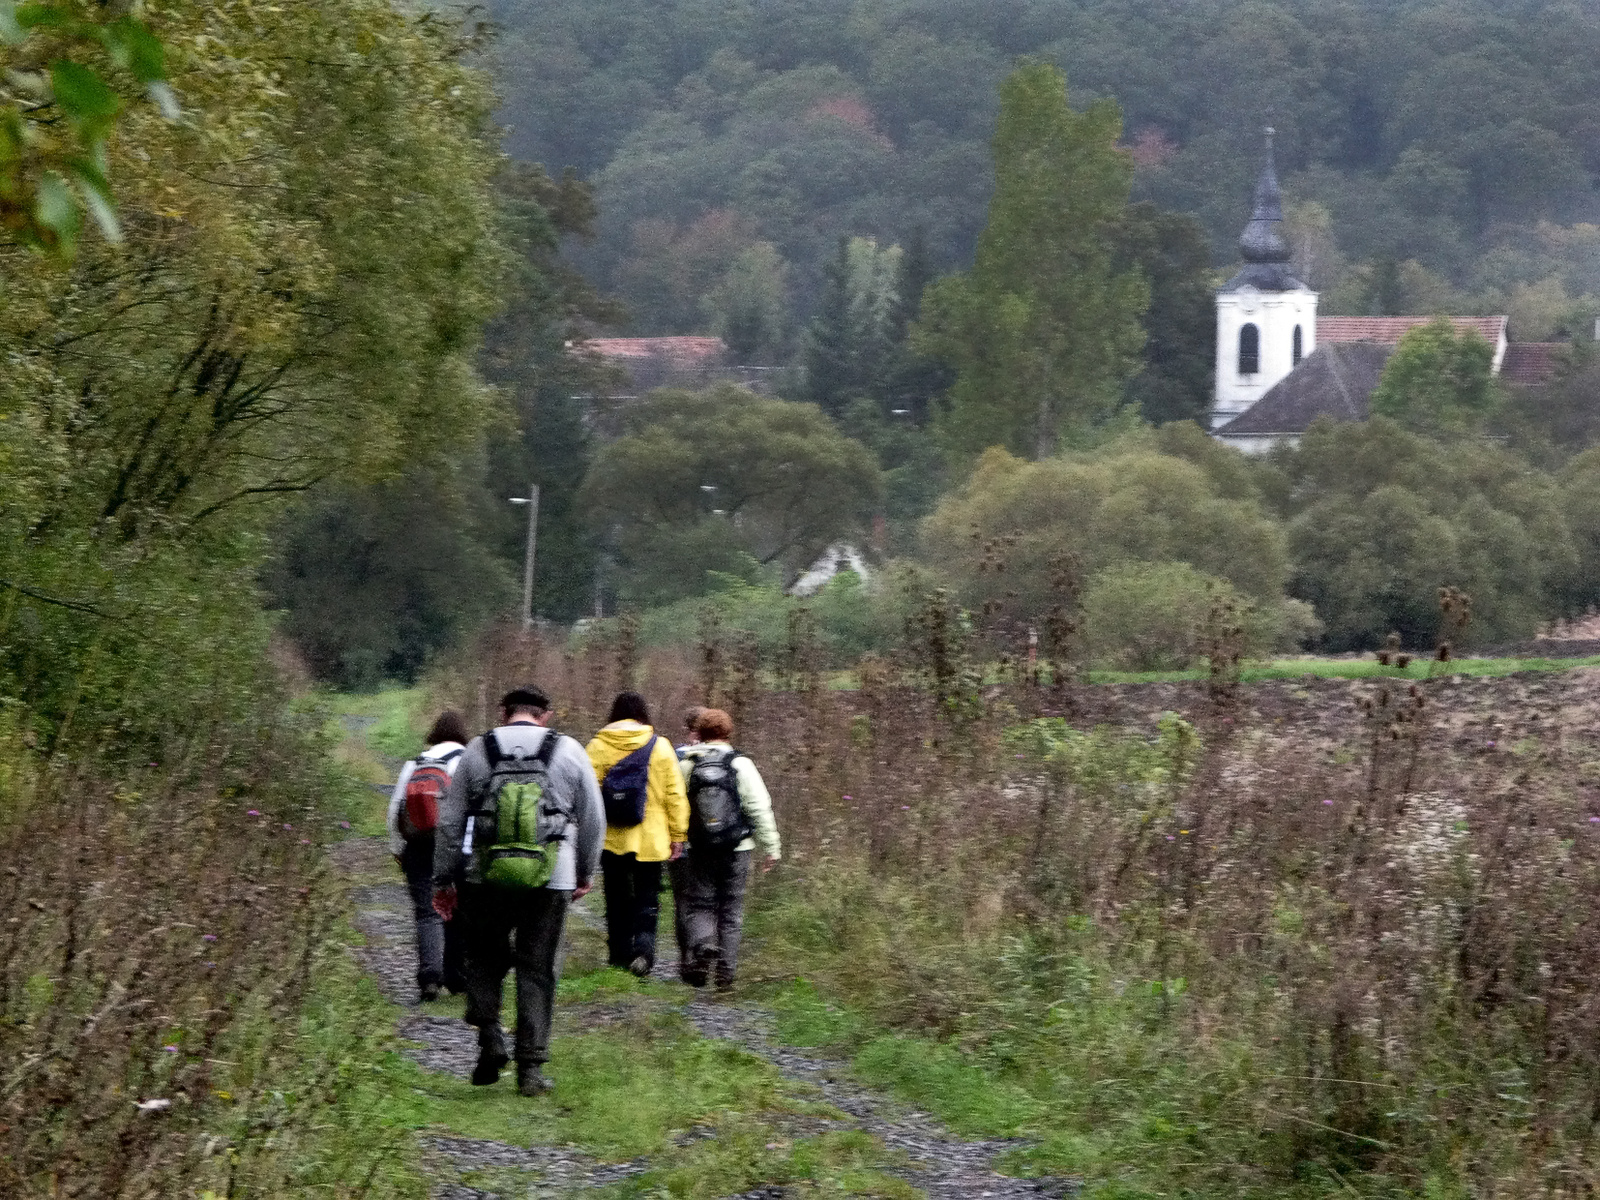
(666,805)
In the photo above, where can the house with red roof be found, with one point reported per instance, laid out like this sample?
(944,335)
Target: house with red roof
(653,362)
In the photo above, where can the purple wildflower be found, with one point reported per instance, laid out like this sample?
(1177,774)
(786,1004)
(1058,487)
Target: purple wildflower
(252,812)
(208,937)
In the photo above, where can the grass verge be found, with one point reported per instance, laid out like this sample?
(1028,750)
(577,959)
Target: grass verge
(1100,1075)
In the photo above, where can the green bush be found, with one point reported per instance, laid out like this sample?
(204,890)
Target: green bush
(1002,536)
(851,617)
(1155,617)
(1379,518)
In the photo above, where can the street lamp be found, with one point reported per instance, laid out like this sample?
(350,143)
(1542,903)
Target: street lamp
(532,501)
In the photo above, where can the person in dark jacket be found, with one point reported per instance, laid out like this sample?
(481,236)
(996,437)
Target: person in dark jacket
(534,917)
(438,946)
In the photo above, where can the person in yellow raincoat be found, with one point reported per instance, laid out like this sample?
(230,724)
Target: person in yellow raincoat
(635,849)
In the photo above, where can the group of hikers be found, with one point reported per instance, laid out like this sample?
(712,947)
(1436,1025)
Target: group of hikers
(499,834)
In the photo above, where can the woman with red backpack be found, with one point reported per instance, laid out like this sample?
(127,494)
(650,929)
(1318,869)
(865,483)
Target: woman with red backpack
(413,817)
(647,822)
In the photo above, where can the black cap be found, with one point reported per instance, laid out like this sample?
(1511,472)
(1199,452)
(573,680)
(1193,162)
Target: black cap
(525,697)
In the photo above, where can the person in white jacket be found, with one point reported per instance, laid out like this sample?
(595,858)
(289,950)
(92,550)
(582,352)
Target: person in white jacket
(717,875)
(438,946)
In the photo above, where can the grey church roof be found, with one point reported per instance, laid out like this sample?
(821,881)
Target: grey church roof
(1335,380)
(1262,244)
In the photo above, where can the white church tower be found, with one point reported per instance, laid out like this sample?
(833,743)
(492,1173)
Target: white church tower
(1266,318)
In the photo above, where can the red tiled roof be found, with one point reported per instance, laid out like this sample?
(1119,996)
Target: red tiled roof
(683,353)
(1532,363)
(1386,331)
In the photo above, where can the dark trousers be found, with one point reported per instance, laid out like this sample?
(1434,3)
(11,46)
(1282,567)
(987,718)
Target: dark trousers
(715,893)
(507,928)
(633,905)
(438,940)
(678,873)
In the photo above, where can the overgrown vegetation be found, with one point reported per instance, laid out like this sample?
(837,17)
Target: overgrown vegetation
(176,1016)
(178,1012)
(1342,950)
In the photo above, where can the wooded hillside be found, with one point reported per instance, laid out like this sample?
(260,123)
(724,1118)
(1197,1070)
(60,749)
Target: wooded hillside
(1428,149)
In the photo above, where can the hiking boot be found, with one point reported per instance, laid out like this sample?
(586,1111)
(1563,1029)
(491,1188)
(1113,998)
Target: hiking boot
(640,966)
(492,1057)
(428,991)
(531,1081)
(487,1070)
(724,984)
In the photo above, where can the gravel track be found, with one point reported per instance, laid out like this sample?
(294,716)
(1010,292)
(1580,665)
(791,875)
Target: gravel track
(942,1166)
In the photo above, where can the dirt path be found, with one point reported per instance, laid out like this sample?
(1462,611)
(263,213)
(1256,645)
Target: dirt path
(943,1167)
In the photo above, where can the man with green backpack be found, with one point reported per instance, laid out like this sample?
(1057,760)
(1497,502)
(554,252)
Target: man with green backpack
(518,840)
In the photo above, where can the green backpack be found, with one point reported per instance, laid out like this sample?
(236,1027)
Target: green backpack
(526,823)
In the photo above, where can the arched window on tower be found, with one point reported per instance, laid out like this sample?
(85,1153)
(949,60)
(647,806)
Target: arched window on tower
(1299,347)
(1249,350)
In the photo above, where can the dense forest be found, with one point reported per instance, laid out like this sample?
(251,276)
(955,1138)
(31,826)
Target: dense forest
(834,190)
(1435,154)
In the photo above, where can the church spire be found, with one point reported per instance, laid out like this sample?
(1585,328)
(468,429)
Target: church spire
(1263,240)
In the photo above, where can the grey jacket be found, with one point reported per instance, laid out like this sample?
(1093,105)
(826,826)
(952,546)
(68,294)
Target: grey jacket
(571,777)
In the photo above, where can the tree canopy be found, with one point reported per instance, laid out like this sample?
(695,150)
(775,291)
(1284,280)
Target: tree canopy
(1437,380)
(722,480)
(1044,329)
(1129,502)
(306,263)
(1379,518)
(1451,139)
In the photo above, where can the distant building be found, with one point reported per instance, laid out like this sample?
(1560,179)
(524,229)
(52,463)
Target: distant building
(1266,318)
(654,362)
(648,363)
(1533,364)
(678,362)
(1280,366)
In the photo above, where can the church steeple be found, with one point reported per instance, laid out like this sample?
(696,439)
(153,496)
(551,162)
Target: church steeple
(1262,240)
(1266,318)
(1262,245)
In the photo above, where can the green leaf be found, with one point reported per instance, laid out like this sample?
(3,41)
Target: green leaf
(10,31)
(135,49)
(96,190)
(47,16)
(81,93)
(54,210)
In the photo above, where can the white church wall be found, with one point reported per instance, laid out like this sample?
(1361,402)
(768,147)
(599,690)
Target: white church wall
(1275,315)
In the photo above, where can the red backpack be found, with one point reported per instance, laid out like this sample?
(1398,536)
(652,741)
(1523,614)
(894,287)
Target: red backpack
(430,778)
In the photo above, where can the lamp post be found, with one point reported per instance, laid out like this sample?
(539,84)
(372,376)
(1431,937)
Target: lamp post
(532,501)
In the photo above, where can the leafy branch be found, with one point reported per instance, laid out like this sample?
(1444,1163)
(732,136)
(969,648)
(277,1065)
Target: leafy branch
(57,112)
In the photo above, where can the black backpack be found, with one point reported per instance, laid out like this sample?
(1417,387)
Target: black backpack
(716,817)
(626,787)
